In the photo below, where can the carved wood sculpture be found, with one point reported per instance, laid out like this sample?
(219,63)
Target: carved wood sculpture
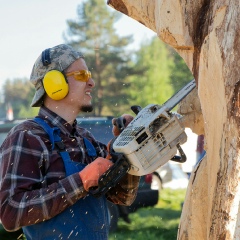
(206,35)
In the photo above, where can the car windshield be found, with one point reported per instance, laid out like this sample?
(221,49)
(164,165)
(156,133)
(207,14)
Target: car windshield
(2,137)
(101,128)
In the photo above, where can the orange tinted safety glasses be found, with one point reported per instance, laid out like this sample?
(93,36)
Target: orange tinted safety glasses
(81,75)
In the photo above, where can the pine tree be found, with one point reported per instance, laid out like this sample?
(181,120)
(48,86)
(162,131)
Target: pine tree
(19,94)
(93,34)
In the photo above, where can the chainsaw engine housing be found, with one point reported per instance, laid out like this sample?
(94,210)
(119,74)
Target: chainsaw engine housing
(150,140)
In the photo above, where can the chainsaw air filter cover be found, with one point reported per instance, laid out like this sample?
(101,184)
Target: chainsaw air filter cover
(150,140)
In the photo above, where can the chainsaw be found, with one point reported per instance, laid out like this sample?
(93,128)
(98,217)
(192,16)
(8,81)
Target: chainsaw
(150,140)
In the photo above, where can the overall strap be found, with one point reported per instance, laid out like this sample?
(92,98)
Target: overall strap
(53,133)
(91,151)
(55,139)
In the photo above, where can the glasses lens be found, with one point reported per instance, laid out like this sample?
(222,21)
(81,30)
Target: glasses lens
(82,75)
(89,74)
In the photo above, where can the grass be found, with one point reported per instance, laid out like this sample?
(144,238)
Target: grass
(159,222)
(156,223)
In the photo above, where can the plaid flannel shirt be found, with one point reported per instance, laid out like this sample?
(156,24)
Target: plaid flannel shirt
(33,185)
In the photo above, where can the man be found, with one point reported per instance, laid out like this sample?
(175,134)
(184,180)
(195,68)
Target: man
(48,164)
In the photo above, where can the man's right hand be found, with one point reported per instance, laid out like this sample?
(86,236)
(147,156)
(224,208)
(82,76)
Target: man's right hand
(91,173)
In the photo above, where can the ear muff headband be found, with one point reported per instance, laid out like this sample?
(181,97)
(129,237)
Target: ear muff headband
(54,82)
(46,60)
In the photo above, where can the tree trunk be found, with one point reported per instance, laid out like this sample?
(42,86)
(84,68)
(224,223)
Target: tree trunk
(206,34)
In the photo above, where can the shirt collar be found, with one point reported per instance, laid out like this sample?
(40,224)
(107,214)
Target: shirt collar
(55,120)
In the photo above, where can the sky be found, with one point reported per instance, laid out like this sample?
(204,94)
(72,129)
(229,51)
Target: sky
(30,26)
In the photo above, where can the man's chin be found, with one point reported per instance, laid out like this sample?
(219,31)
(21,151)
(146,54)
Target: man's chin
(87,108)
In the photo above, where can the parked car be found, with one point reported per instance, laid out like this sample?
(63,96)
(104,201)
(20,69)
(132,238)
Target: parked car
(101,128)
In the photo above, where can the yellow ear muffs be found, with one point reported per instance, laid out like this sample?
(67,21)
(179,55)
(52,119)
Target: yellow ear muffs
(55,85)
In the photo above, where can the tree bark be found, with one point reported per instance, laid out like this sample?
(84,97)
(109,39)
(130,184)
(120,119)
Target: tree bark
(206,35)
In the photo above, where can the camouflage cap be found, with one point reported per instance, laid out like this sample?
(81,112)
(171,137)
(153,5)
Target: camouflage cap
(60,58)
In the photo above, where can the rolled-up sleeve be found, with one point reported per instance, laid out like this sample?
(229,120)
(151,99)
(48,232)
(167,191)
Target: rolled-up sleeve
(125,192)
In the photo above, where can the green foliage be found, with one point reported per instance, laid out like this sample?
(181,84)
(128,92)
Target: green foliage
(159,222)
(93,34)
(19,93)
(28,112)
(180,73)
(171,199)
(154,85)
(2,110)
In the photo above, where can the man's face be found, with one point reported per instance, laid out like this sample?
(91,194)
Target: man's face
(79,95)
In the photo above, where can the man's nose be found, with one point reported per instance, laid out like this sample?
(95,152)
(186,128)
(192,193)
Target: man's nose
(91,82)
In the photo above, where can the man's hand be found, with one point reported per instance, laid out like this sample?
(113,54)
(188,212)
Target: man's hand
(91,173)
(116,130)
(125,119)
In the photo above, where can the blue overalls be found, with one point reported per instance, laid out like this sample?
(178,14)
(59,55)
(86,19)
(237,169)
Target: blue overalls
(87,219)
